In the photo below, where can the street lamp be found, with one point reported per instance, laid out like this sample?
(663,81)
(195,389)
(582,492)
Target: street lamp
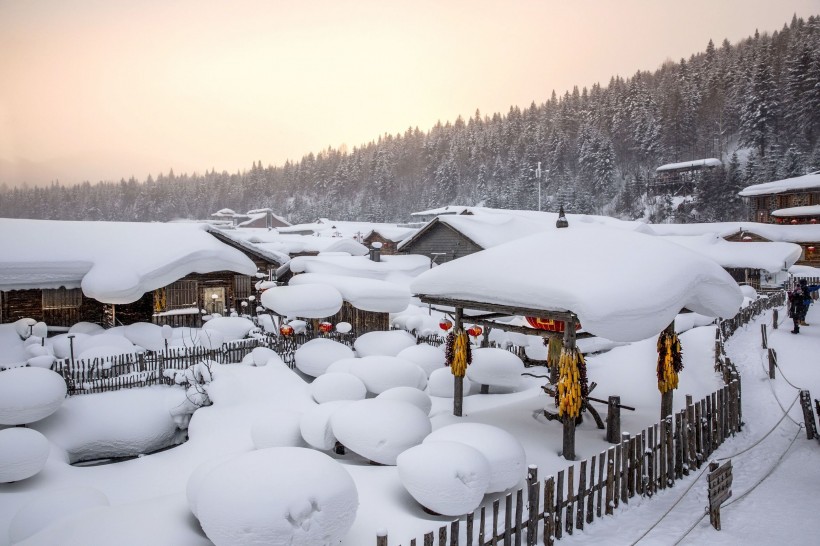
(538,176)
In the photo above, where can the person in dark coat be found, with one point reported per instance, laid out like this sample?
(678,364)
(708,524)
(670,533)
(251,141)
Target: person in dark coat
(807,299)
(796,299)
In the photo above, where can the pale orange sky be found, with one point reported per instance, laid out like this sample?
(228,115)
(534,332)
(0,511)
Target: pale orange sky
(105,89)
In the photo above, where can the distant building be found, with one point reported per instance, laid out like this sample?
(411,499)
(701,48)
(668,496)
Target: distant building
(681,178)
(790,201)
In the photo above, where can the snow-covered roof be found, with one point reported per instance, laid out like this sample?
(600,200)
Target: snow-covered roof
(239,238)
(771,257)
(558,271)
(339,228)
(801,233)
(305,300)
(449,209)
(804,271)
(392,233)
(395,269)
(709,162)
(805,182)
(362,293)
(812,210)
(113,262)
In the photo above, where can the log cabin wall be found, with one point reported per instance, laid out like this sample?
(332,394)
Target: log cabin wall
(388,247)
(440,238)
(362,321)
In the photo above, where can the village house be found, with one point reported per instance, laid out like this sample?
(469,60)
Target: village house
(791,201)
(681,178)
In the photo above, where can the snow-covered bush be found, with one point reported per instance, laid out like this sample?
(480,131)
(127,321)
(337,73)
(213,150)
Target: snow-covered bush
(426,357)
(379,373)
(495,367)
(414,396)
(39,512)
(86,328)
(503,451)
(23,453)
(316,355)
(145,334)
(29,394)
(23,327)
(448,478)
(277,429)
(231,327)
(337,386)
(341,366)
(195,379)
(261,356)
(441,383)
(61,344)
(316,427)
(383,343)
(281,496)
(380,430)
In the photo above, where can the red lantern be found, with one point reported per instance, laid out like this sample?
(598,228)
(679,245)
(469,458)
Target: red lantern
(286,330)
(813,220)
(445,324)
(550,325)
(325,327)
(810,248)
(475,331)
(794,220)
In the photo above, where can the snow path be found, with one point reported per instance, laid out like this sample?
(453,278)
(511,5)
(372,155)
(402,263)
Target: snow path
(783,508)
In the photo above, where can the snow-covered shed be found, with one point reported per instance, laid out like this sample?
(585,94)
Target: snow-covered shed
(113,272)
(788,201)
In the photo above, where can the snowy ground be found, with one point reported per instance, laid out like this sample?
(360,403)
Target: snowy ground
(148,501)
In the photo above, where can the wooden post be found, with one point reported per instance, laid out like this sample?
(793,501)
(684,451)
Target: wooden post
(772,362)
(613,420)
(808,415)
(381,537)
(569,422)
(774,320)
(626,460)
(532,501)
(764,338)
(549,512)
(667,397)
(458,385)
(720,489)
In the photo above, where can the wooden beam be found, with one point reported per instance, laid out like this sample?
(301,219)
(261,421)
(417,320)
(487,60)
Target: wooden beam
(522,329)
(496,308)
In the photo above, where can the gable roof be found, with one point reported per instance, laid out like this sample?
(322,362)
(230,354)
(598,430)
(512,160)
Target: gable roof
(798,183)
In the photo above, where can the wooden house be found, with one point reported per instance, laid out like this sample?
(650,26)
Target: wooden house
(263,218)
(681,178)
(389,238)
(440,241)
(792,201)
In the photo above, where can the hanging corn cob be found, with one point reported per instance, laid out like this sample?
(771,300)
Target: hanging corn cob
(572,383)
(670,361)
(554,348)
(458,354)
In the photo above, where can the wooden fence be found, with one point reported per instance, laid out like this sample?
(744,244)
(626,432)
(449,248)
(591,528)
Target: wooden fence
(639,465)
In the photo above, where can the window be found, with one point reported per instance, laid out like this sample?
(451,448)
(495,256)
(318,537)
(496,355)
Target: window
(61,306)
(241,287)
(181,295)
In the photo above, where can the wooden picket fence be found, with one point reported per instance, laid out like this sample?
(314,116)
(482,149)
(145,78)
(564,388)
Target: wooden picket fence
(639,465)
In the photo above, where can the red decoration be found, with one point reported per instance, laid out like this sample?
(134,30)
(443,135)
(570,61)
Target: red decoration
(445,324)
(549,325)
(794,220)
(810,248)
(475,331)
(325,327)
(286,330)
(813,220)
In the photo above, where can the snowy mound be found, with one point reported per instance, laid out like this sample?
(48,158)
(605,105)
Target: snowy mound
(316,355)
(231,327)
(441,383)
(277,429)
(508,462)
(448,478)
(29,394)
(379,373)
(344,327)
(342,365)
(748,292)
(656,279)
(383,343)
(283,496)
(107,351)
(43,361)
(315,424)
(113,341)
(427,357)
(261,356)
(337,386)
(86,328)
(145,335)
(42,510)
(380,430)
(365,294)
(495,367)
(23,453)
(306,300)
(61,344)
(411,395)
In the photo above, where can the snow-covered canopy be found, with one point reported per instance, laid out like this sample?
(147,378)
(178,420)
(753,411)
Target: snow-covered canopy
(325,227)
(391,233)
(562,270)
(812,210)
(306,300)
(113,262)
(771,257)
(394,269)
(798,183)
(801,233)
(365,294)
(709,162)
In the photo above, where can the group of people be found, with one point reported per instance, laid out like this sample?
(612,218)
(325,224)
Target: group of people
(799,300)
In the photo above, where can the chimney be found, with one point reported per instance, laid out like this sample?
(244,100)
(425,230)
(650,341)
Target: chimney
(269,219)
(376,252)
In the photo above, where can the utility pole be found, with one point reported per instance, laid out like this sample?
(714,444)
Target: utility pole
(538,176)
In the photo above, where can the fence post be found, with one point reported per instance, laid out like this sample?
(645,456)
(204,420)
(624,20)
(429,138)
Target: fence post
(772,362)
(774,320)
(764,339)
(381,537)
(613,420)
(532,501)
(808,415)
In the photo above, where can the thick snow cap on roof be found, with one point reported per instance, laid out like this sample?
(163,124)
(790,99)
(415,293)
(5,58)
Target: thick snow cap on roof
(805,182)
(563,270)
(365,294)
(113,262)
(771,257)
(709,162)
(810,210)
(306,300)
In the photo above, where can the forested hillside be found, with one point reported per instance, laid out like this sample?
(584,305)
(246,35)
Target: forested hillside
(755,104)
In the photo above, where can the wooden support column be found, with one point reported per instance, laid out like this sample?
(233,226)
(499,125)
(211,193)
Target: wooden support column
(667,398)
(569,422)
(458,385)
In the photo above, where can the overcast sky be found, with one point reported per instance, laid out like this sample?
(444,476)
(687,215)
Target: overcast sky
(107,89)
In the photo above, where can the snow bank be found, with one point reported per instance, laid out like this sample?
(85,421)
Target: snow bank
(379,373)
(145,334)
(23,453)
(277,429)
(383,343)
(337,386)
(29,394)
(448,478)
(410,395)
(341,366)
(86,328)
(262,356)
(380,430)
(231,327)
(306,300)
(441,383)
(283,496)
(112,342)
(656,279)
(495,367)
(42,510)
(316,355)
(426,357)
(508,462)
(365,294)
(316,427)
(61,344)
(43,361)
